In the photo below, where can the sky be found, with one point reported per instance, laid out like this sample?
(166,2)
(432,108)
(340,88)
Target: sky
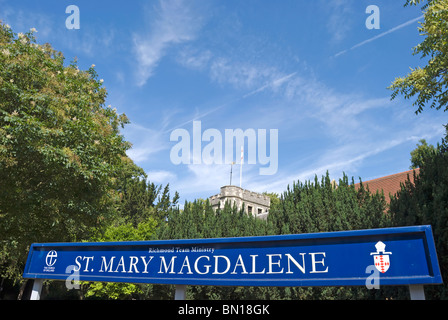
(308,78)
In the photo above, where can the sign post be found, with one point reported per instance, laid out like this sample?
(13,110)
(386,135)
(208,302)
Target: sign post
(417,292)
(181,292)
(397,256)
(37,289)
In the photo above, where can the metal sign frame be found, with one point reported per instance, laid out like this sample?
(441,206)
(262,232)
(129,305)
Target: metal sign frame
(401,256)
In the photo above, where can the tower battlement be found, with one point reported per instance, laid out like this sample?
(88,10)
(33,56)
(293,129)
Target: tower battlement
(255,203)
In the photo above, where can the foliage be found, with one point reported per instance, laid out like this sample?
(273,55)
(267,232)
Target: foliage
(199,220)
(121,232)
(113,291)
(127,232)
(429,84)
(323,206)
(140,200)
(142,207)
(274,197)
(320,206)
(65,175)
(61,152)
(426,202)
(421,153)
(304,208)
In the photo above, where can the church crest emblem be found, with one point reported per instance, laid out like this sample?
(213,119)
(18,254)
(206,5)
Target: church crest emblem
(381,257)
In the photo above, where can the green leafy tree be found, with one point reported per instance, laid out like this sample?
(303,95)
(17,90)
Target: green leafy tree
(121,232)
(141,209)
(421,153)
(428,84)
(61,152)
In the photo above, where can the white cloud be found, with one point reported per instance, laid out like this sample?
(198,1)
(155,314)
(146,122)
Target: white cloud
(239,66)
(341,116)
(243,75)
(201,180)
(90,39)
(146,142)
(194,59)
(347,130)
(339,22)
(275,82)
(345,158)
(22,21)
(172,22)
(208,177)
(344,125)
(347,134)
(161,176)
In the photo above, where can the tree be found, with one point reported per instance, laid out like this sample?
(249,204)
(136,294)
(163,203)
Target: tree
(421,153)
(274,197)
(138,200)
(426,202)
(61,152)
(141,209)
(323,206)
(122,232)
(320,206)
(164,203)
(428,84)
(199,220)
(304,208)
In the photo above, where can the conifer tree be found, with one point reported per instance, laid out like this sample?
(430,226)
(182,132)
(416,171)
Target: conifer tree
(426,202)
(303,208)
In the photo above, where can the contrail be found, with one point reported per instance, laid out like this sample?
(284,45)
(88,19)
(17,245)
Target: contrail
(262,88)
(272,83)
(379,36)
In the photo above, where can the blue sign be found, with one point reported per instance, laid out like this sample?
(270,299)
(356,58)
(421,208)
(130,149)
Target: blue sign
(400,256)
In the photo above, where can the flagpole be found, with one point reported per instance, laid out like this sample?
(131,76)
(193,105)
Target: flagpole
(241,165)
(231,165)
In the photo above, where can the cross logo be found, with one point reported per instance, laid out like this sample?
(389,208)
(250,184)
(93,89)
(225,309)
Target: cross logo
(381,258)
(51,258)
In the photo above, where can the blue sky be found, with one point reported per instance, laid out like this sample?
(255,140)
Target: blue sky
(310,69)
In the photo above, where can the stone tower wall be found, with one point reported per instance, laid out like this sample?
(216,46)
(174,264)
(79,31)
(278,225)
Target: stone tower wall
(254,203)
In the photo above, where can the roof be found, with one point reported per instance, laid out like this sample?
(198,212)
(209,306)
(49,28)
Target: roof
(389,184)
